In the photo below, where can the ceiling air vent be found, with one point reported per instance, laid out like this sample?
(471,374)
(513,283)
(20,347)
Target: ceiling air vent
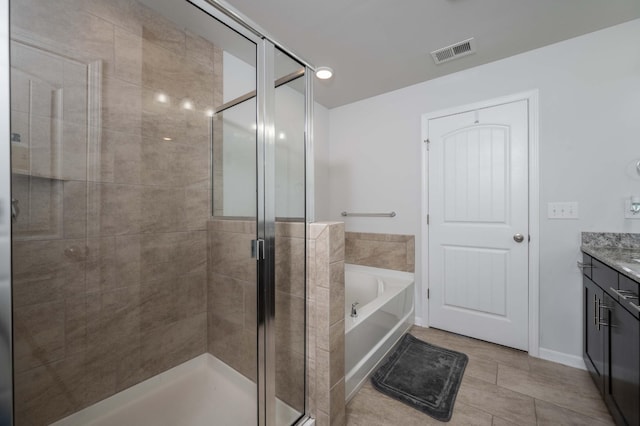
(457,50)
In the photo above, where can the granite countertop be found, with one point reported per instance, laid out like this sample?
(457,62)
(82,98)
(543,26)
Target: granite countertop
(624,260)
(619,251)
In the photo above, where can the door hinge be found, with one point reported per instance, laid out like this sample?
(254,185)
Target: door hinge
(427,219)
(427,294)
(427,141)
(257,249)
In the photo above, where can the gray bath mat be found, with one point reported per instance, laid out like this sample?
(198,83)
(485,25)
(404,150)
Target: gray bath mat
(423,376)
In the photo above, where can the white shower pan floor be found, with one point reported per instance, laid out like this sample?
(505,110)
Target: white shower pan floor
(203,391)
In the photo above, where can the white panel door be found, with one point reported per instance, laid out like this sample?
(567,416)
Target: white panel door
(478,208)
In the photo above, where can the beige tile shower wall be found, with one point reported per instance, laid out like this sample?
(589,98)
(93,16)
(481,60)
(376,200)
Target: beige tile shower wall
(325,301)
(290,313)
(110,273)
(232,295)
(232,322)
(387,251)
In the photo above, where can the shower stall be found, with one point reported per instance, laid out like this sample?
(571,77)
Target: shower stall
(159,153)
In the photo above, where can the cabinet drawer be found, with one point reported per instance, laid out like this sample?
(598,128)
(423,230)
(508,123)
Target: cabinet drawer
(629,288)
(605,277)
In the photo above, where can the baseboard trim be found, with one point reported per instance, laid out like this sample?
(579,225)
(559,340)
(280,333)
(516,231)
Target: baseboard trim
(418,321)
(562,358)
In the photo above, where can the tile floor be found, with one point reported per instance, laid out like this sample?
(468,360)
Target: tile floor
(500,386)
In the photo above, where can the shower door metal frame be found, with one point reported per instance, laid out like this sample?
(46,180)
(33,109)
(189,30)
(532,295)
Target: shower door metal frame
(266,232)
(6,338)
(266,202)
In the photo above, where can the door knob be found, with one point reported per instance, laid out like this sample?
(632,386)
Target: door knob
(518,238)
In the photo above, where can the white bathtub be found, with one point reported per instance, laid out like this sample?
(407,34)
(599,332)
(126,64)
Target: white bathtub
(385,312)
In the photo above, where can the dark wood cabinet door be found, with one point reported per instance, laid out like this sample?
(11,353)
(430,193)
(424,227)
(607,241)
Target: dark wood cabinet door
(623,363)
(593,334)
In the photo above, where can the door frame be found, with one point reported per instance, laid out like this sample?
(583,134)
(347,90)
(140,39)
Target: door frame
(531,97)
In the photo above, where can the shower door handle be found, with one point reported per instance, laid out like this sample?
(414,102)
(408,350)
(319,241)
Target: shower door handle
(257,249)
(15,210)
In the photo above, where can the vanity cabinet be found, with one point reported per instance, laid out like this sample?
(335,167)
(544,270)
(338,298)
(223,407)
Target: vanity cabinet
(612,338)
(593,333)
(622,383)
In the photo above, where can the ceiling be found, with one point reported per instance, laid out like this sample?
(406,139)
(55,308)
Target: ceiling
(375,46)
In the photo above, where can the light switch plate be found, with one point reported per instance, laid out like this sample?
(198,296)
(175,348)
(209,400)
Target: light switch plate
(562,210)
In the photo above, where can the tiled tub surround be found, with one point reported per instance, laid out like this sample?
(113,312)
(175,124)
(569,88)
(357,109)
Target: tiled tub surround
(109,250)
(326,344)
(385,251)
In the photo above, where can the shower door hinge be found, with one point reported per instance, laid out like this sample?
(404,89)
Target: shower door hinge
(257,249)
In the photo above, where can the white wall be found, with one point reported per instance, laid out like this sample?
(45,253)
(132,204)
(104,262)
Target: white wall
(589,90)
(321,129)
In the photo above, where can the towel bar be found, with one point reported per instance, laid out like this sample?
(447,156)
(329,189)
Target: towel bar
(392,214)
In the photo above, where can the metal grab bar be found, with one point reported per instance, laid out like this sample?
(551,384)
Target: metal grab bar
(392,214)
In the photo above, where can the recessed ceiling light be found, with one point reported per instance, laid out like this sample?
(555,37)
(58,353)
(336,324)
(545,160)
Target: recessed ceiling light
(324,73)
(166,138)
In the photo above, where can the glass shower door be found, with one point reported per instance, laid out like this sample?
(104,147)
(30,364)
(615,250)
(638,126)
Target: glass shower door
(280,237)
(122,279)
(159,238)
(233,230)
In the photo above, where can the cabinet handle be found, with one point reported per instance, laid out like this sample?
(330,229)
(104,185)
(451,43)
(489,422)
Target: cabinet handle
(600,307)
(625,294)
(583,265)
(596,320)
(634,306)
